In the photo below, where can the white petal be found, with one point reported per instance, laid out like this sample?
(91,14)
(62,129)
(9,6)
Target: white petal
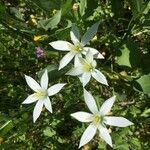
(89,100)
(95,52)
(48,104)
(106,107)
(61,45)
(44,80)
(99,77)
(32,83)
(82,61)
(74,39)
(83,116)
(88,135)
(30,99)
(86,78)
(89,57)
(66,59)
(77,60)
(75,71)
(37,110)
(55,88)
(117,121)
(104,134)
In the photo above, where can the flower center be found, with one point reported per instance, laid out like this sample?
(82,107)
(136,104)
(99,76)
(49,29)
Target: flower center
(76,48)
(87,67)
(40,94)
(97,119)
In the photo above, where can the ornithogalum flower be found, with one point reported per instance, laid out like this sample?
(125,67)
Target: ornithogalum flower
(41,94)
(87,68)
(98,119)
(77,48)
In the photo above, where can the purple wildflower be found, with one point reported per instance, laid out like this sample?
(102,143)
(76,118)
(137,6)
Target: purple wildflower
(39,52)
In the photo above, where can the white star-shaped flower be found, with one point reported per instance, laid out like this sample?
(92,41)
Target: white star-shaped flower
(41,94)
(98,119)
(87,68)
(77,48)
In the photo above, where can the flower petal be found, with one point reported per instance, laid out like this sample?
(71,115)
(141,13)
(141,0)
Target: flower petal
(117,121)
(77,60)
(104,134)
(55,88)
(106,107)
(61,45)
(89,100)
(74,38)
(95,52)
(30,99)
(37,110)
(44,80)
(82,116)
(88,135)
(86,78)
(99,77)
(32,83)
(47,104)
(66,59)
(75,71)
(89,57)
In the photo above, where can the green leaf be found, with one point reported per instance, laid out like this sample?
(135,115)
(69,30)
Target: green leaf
(90,33)
(130,56)
(123,146)
(82,7)
(76,32)
(53,72)
(65,32)
(146,113)
(66,7)
(2,11)
(136,6)
(49,132)
(51,22)
(147,8)
(144,82)
(47,5)
(123,60)
(6,127)
(135,144)
(17,13)
(116,7)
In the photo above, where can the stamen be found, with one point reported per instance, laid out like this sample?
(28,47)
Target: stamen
(88,67)
(97,119)
(40,94)
(76,48)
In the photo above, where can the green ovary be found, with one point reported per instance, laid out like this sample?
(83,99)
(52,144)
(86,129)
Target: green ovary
(87,67)
(40,94)
(76,48)
(97,119)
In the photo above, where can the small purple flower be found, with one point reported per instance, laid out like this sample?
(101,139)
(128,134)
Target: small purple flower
(39,52)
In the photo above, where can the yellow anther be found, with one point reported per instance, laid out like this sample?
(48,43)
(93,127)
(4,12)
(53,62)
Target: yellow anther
(40,94)
(97,118)
(87,67)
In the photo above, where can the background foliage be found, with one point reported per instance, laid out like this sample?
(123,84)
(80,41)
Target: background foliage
(123,38)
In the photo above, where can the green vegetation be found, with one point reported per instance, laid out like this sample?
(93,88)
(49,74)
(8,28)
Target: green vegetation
(122,38)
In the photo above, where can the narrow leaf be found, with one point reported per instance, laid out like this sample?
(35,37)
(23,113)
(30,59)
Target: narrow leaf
(51,22)
(90,33)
